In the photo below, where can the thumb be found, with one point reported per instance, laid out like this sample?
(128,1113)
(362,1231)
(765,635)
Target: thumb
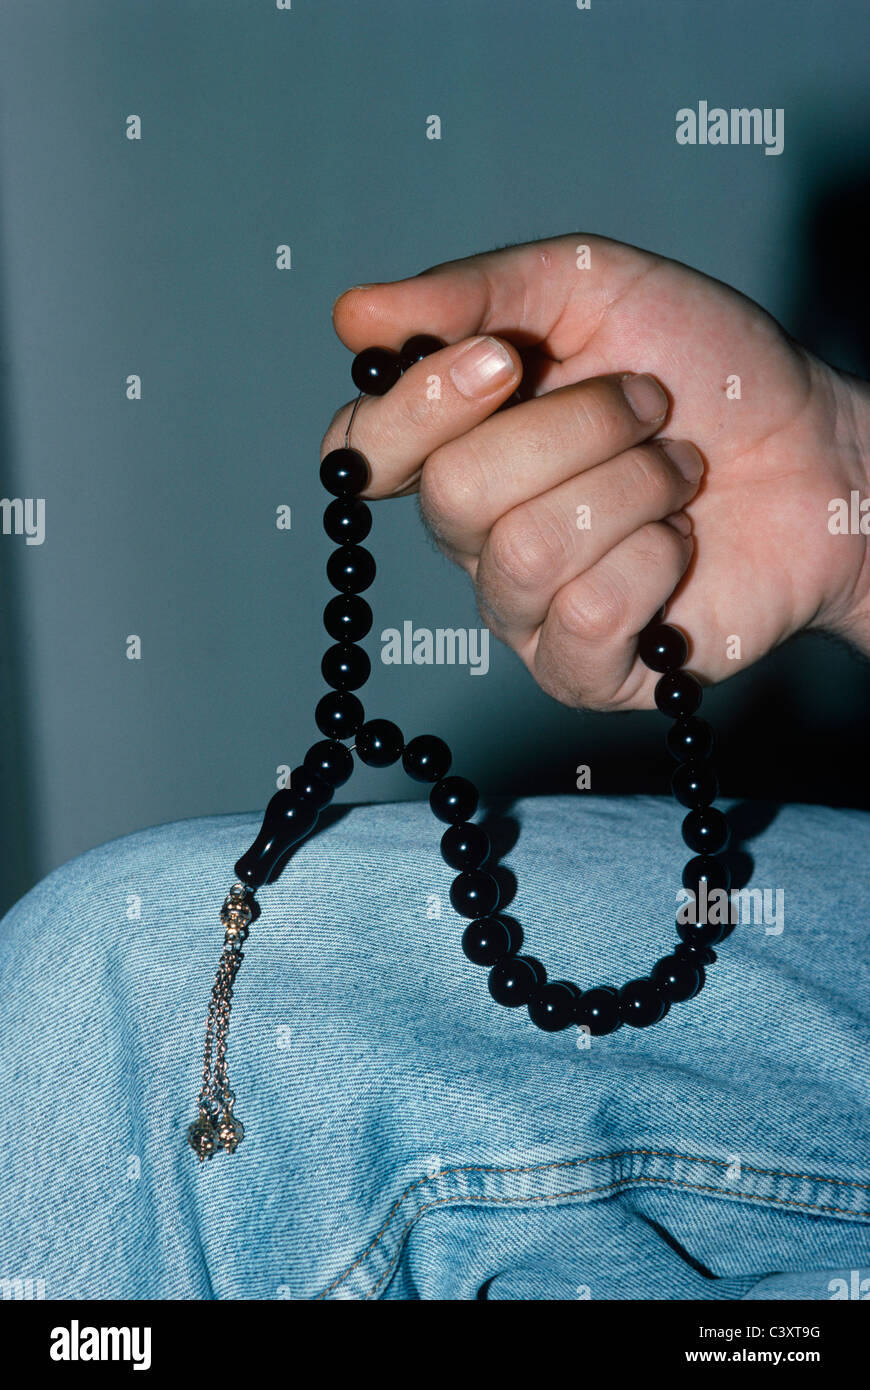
(518,292)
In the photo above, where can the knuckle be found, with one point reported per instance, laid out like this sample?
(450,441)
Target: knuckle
(599,411)
(450,494)
(650,477)
(595,611)
(411,407)
(519,552)
(660,545)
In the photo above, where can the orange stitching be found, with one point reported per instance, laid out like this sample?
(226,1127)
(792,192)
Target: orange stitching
(577,1162)
(558,1196)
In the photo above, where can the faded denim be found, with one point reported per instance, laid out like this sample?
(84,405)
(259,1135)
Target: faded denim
(406,1137)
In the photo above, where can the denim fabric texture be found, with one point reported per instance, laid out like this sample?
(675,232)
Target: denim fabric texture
(407,1138)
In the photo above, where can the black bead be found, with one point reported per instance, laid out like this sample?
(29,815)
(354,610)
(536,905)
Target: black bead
(700,934)
(347,520)
(486,940)
(251,869)
(416,348)
(512,982)
(345,667)
(640,1004)
(690,738)
(464,845)
(474,893)
(351,568)
(312,785)
(695,784)
(379,742)
(598,1010)
(662,648)
(375,370)
(714,872)
(552,1008)
(426,758)
(678,694)
(291,814)
(347,617)
(453,799)
(676,979)
(289,818)
(344,472)
(697,952)
(339,714)
(330,760)
(706,830)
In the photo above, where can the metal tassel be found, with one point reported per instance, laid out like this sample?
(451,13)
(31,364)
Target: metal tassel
(215,1126)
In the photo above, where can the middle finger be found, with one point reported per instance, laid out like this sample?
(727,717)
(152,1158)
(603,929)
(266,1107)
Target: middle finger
(514,455)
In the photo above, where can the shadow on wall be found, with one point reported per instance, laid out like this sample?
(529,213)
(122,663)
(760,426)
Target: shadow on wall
(832,316)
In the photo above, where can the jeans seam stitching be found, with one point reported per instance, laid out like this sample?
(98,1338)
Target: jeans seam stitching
(581,1192)
(579,1162)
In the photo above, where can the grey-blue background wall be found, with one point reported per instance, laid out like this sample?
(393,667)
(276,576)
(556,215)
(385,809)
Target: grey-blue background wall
(157,257)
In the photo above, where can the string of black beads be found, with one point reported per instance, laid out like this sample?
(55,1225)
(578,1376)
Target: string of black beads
(488,939)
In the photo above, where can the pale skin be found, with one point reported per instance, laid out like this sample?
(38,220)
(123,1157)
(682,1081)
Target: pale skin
(735,540)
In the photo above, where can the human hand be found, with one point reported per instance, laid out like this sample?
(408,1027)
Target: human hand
(500,489)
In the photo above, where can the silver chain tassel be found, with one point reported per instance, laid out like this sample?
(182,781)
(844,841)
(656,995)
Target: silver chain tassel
(215,1126)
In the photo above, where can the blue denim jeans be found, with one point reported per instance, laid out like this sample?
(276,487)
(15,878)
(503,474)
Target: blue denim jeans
(407,1138)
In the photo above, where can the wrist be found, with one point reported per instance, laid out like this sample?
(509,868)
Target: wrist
(846,413)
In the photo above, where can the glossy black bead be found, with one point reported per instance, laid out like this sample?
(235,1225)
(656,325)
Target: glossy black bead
(339,714)
(351,569)
(714,872)
(553,1007)
(709,907)
(347,617)
(706,830)
(375,370)
(252,869)
(312,785)
(598,1010)
(465,845)
(345,667)
(695,784)
(640,1004)
(416,348)
(344,472)
(289,818)
(474,893)
(290,814)
(426,758)
(662,648)
(379,743)
(486,940)
(698,952)
(453,799)
(690,738)
(676,979)
(701,934)
(678,694)
(330,760)
(513,981)
(347,521)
